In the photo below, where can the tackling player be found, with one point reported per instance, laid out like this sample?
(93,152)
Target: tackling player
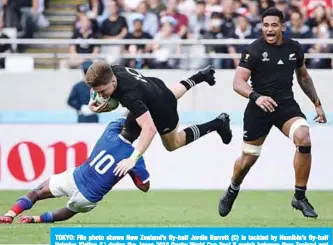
(87,184)
(154,106)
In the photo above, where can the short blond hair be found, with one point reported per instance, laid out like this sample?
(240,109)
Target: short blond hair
(99,73)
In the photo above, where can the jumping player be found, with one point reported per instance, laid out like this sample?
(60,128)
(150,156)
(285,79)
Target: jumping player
(154,106)
(270,62)
(87,184)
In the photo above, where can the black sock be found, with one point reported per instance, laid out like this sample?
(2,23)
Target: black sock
(233,186)
(193,80)
(196,131)
(300,192)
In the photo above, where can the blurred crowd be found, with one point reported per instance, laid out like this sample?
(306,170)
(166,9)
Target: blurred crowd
(188,19)
(26,16)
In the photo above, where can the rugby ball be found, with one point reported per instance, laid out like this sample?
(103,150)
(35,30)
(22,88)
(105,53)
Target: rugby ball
(113,103)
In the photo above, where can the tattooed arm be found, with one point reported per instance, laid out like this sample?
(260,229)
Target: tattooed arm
(306,84)
(305,81)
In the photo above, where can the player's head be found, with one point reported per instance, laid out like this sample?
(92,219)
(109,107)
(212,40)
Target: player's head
(131,129)
(272,25)
(100,77)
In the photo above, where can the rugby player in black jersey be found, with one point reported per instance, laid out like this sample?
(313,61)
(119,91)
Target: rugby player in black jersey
(270,62)
(154,106)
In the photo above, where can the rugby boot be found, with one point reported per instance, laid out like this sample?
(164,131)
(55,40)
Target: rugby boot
(227,201)
(224,130)
(6,219)
(305,207)
(204,75)
(26,219)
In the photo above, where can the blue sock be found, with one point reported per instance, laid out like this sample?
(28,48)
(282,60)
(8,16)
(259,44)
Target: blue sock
(46,217)
(22,204)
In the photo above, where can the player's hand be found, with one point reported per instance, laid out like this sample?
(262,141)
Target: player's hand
(124,166)
(98,108)
(266,103)
(321,117)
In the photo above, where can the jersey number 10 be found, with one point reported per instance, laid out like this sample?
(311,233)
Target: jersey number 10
(135,74)
(100,160)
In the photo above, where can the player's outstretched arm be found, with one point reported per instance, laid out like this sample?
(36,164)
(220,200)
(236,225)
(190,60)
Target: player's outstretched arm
(148,132)
(306,83)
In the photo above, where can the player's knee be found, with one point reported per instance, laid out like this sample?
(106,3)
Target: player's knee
(302,137)
(302,140)
(252,150)
(299,132)
(172,145)
(41,192)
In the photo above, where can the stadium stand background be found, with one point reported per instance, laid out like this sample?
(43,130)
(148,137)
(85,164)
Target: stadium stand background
(160,19)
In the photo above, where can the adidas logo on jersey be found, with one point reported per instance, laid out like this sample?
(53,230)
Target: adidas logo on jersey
(280,62)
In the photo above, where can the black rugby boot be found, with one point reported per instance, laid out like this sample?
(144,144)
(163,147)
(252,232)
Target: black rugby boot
(305,207)
(227,201)
(224,130)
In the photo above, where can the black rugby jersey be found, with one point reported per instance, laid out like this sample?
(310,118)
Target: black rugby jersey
(272,66)
(136,92)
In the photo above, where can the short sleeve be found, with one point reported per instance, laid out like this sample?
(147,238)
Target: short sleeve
(123,22)
(135,104)
(247,60)
(75,34)
(117,125)
(300,55)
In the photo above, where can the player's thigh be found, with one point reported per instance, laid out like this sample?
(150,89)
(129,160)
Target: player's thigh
(77,203)
(290,118)
(251,151)
(61,184)
(165,116)
(256,124)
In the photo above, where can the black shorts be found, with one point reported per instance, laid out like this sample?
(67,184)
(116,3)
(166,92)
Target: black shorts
(164,111)
(258,123)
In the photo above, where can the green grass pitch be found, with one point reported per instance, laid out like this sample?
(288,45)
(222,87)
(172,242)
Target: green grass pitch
(172,208)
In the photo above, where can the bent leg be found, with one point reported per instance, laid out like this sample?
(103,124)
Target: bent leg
(27,201)
(49,217)
(77,203)
(177,139)
(206,74)
(250,154)
(256,126)
(297,129)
